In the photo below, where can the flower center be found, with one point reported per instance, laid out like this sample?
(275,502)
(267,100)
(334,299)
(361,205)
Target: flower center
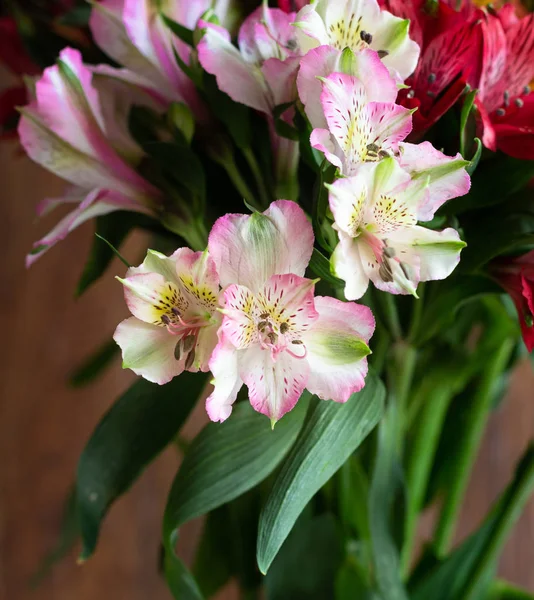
(278,335)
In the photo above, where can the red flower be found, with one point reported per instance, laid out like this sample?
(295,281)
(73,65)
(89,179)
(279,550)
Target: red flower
(291,5)
(451,57)
(516,276)
(505,102)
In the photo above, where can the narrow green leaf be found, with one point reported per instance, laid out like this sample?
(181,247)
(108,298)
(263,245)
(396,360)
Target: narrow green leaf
(464,573)
(133,432)
(224,461)
(94,365)
(473,164)
(308,560)
(227,459)
(320,266)
(330,435)
(385,484)
(467,107)
(185,34)
(502,590)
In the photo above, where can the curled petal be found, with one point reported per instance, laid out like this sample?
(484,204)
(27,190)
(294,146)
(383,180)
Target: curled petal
(347,265)
(148,350)
(445,176)
(438,252)
(337,349)
(249,249)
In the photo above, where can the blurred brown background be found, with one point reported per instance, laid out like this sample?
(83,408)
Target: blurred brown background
(44,424)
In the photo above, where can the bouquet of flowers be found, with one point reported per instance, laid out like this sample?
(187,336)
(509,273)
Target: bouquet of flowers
(341,267)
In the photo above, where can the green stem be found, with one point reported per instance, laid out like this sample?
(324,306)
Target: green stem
(391,313)
(510,508)
(265,196)
(419,463)
(469,444)
(196,234)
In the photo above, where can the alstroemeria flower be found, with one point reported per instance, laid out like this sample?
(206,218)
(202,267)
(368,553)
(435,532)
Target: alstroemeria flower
(133,33)
(358,130)
(505,102)
(358,24)
(174,302)
(77,127)
(323,61)
(276,338)
(261,73)
(516,276)
(376,213)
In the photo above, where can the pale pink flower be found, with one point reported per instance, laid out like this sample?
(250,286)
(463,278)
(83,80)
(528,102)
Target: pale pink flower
(77,127)
(174,302)
(359,129)
(133,33)
(357,25)
(261,73)
(321,62)
(376,212)
(276,338)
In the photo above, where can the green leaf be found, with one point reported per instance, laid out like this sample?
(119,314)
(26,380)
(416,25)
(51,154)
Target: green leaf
(133,432)
(502,590)
(467,107)
(306,565)
(114,227)
(94,365)
(464,574)
(448,298)
(473,164)
(320,266)
(181,117)
(224,461)
(227,459)
(385,484)
(185,34)
(212,568)
(330,435)
(352,583)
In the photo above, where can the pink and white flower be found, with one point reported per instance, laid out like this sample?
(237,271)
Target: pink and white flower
(358,24)
(324,61)
(260,73)
(174,302)
(359,130)
(133,33)
(276,338)
(376,213)
(77,127)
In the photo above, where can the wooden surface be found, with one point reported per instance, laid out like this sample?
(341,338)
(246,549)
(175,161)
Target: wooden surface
(44,424)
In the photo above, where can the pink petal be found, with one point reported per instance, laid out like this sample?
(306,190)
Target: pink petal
(324,61)
(148,350)
(234,75)
(238,326)
(96,203)
(274,387)
(337,349)
(227,382)
(322,140)
(445,175)
(249,249)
